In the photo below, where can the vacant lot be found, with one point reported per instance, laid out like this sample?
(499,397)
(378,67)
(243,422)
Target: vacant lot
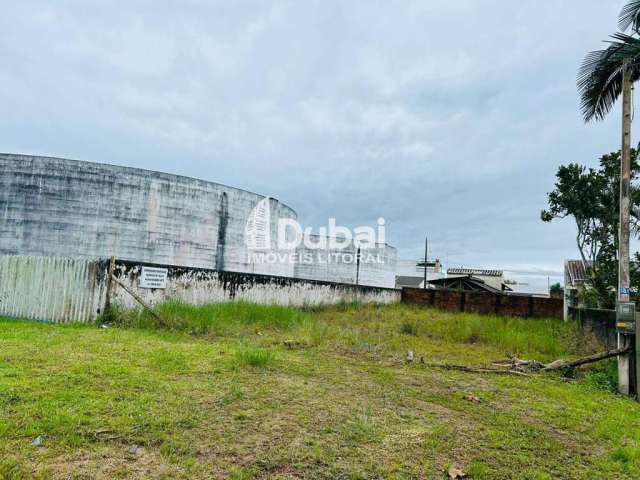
(242,391)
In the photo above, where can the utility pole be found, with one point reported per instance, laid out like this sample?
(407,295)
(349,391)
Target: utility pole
(426,255)
(624,340)
(358,267)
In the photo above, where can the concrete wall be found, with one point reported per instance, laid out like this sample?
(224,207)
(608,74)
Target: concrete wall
(200,286)
(602,323)
(68,289)
(377,264)
(68,208)
(485,303)
(59,207)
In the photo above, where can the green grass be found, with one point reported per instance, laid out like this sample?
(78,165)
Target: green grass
(243,391)
(409,328)
(543,337)
(214,319)
(254,357)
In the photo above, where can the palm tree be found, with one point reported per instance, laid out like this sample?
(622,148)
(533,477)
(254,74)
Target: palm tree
(630,16)
(603,76)
(600,76)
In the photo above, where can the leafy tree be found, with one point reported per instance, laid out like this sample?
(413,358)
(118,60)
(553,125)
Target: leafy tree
(591,197)
(555,289)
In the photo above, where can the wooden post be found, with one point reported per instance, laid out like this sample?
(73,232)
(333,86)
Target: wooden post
(107,302)
(141,302)
(624,370)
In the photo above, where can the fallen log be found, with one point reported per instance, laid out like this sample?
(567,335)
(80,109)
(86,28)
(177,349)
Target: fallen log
(517,364)
(560,364)
(464,368)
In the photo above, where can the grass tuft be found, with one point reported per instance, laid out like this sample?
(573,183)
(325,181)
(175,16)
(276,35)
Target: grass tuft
(255,357)
(242,473)
(408,327)
(478,471)
(361,428)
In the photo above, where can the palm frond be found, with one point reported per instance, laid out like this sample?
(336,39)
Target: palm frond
(599,78)
(630,16)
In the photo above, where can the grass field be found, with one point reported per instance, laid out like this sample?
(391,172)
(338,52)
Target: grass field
(242,391)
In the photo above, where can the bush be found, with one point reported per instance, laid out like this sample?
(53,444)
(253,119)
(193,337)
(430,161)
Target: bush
(603,376)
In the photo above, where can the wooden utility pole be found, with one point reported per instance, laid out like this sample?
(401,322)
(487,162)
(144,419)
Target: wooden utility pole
(426,255)
(624,361)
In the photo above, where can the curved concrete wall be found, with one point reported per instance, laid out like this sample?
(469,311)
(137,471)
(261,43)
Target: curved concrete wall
(58,207)
(68,208)
(377,266)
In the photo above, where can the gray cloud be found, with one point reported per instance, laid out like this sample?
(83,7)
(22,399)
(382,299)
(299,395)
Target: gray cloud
(446,118)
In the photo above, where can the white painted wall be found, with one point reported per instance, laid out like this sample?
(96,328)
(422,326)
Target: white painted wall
(74,290)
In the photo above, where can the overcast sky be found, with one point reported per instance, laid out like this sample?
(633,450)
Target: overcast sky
(447,118)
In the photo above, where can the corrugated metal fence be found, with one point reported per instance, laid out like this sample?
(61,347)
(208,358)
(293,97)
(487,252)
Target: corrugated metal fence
(56,289)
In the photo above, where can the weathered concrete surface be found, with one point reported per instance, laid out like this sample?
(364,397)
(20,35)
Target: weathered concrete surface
(200,286)
(72,289)
(58,207)
(69,208)
(377,266)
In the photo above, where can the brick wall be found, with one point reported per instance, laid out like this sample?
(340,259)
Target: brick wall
(485,303)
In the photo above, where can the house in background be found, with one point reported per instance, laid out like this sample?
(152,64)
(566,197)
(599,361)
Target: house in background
(409,281)
(492,278)
(411,273)
(575,273)
(575,276)
(467,283)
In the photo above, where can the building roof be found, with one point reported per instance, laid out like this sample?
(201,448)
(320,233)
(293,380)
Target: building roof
(478,272)
(575,272)
(407,281)
(430,263)
(466,284)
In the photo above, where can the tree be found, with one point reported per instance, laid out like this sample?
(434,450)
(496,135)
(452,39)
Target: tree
(600,76)
(555,289)
(603,77)
(591,197)
(630,17)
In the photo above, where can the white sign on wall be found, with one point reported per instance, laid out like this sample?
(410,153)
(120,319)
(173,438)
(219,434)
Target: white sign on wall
(152,277)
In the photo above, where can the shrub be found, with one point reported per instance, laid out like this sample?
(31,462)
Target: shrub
(603,376)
